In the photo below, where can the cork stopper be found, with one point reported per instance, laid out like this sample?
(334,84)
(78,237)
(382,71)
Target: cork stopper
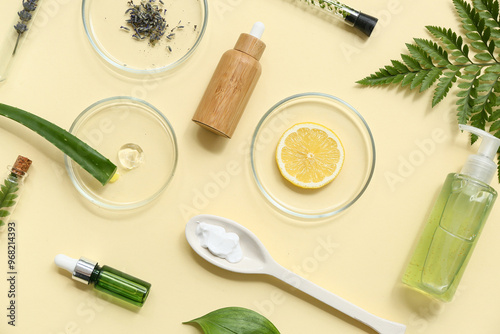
(21,165)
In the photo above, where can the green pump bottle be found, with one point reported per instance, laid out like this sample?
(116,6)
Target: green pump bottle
(455,223)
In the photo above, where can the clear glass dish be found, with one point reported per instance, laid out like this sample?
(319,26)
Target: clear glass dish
(356,172)
(103,22)
(137,138)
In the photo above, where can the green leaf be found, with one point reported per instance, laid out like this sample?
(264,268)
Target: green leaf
(488,10)
(90,160)
(443,60)
(483,56)
(473,68)
(435,51)
(493,69)
(494,126)
(408,79)
(462,60)
(467,13)
(430,78)
(495,115)
(452,42)
(444,85)
(465,104)
(399,66)
(418,79)
(420,55)
(488,76)
(484,87)
(234,320)
(479,46)
(411,63)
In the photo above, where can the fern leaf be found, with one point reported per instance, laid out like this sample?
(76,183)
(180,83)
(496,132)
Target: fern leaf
(475,23)
(399,66)
(498,164)
(444,85)
(418,79)
(467,13)
(488,10)
(467,93)
(435,51)
(478,120)
(452,42)
(408,79)
(411,63)
(7,198)
(484,56)
(430,78)
(420,55)
(382,77)
(495,126)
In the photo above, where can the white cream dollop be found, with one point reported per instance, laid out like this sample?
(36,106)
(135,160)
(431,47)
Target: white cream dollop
(219,243)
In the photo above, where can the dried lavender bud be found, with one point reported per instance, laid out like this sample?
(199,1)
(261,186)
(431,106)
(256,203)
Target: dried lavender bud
(29,5)
(20,27)
(146,20)
(24,15)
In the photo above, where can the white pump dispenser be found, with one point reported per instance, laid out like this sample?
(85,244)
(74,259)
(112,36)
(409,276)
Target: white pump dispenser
(482,166)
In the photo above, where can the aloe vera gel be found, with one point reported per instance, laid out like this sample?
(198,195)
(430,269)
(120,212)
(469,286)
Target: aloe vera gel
(455,223)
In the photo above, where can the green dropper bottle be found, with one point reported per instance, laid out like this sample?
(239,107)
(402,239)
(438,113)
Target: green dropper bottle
(106,279)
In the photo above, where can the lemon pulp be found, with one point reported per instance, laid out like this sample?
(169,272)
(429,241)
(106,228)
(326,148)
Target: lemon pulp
(309,155)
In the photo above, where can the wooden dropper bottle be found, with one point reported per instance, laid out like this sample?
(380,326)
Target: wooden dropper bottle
(232,84)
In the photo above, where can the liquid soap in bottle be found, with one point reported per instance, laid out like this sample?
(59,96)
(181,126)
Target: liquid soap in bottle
(232,84)
(455,223)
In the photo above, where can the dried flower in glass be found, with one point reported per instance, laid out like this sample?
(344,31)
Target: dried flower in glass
(11,188)
(350,16)
(14,37)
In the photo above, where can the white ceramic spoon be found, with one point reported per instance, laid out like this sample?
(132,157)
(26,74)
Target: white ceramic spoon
(257,260)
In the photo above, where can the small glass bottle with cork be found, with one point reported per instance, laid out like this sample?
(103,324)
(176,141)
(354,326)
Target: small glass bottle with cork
(11,188)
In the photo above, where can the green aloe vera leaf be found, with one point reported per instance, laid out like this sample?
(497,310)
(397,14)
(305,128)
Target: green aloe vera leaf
(232,320)
(92,161)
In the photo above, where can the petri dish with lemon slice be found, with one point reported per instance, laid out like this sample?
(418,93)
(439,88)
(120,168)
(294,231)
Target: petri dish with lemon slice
(309,155)
(312,156)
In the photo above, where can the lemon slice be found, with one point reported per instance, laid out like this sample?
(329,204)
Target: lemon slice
(309,155)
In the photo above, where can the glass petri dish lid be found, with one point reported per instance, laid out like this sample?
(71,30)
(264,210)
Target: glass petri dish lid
(105,24)
(138,139)
(357,170)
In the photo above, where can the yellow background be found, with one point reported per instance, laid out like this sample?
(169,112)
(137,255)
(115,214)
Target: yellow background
(57,75)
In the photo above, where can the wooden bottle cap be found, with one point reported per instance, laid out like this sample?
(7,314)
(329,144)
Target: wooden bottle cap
(251,45)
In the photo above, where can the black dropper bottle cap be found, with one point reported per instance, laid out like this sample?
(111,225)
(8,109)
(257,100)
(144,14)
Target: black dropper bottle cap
(365,23)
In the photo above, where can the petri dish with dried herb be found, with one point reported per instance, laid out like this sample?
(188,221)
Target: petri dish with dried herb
(144,36)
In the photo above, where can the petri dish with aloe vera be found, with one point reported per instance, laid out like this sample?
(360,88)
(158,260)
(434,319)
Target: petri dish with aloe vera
(138,48)
(357,170)
(138,139)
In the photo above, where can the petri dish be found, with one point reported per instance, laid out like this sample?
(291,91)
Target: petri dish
(346,188)
(138,139)
(103,22)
